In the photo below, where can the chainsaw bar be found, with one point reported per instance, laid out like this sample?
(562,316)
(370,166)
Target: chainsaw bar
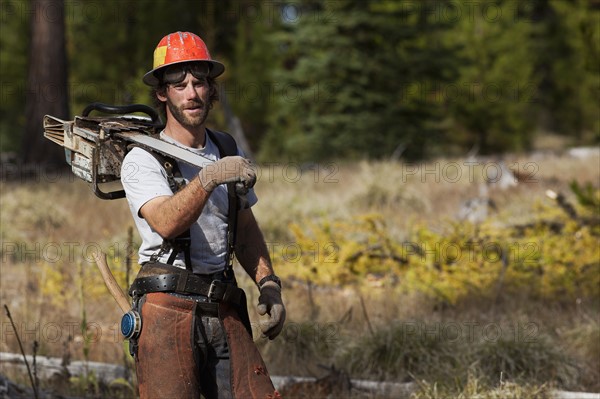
(155,144)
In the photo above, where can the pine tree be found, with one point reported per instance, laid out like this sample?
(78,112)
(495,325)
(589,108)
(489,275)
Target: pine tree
(14,40)
(248,86)
(492,104)
(346,86)
(46,81)
(568,63)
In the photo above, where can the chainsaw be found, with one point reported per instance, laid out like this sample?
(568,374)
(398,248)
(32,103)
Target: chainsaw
(95,146)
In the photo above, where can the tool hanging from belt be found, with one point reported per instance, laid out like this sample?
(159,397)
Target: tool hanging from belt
(182,243)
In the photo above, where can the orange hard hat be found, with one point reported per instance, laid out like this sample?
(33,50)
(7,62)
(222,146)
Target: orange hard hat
(181,47)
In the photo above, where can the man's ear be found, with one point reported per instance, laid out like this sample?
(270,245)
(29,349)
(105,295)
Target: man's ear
(162,94)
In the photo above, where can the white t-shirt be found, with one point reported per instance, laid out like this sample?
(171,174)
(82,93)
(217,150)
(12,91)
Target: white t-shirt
(144,178)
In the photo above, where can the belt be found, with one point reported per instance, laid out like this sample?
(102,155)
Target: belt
(185,282)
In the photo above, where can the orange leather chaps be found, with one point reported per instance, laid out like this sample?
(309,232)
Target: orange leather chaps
(166,358)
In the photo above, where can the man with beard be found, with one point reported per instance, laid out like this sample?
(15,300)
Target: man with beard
(195,335)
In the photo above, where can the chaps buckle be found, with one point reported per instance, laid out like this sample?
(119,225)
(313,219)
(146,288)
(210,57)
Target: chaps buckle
(211,290)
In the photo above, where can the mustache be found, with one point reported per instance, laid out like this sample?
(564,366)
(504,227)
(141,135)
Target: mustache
(194,104)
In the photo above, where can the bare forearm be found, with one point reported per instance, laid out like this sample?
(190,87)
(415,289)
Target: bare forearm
(251,249)
(171,216)
(253,255)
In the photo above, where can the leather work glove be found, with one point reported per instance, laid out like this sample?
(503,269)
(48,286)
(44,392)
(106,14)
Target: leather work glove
(269,302)
(233,169)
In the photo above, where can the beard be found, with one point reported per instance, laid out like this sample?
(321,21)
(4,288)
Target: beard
(189,121)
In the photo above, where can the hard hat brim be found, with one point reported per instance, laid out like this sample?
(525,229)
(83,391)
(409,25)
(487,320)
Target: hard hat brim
(216,69)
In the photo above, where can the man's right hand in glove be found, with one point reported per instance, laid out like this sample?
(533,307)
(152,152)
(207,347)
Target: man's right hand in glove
(233,169)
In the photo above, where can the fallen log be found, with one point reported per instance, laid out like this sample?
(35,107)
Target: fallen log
(575,395)
(49,367)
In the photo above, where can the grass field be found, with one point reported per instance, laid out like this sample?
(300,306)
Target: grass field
(373,324)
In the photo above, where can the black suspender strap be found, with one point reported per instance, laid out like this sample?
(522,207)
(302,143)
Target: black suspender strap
(227,147)
(183,241)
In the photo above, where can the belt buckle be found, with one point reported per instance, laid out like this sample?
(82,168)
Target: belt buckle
(211,289)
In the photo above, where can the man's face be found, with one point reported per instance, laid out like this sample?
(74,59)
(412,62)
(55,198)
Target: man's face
(188,101)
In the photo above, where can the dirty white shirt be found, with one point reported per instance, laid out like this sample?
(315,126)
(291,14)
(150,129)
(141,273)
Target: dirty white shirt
(144,178)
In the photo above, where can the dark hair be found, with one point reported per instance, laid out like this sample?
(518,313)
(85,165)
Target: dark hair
(161,107)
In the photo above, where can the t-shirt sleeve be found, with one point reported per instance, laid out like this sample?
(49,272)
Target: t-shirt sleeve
(143,178)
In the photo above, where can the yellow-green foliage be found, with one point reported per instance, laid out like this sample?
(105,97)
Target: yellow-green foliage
(568,264)
(337,252)
(453,265)
(555,257)
(59,279)
(55,280)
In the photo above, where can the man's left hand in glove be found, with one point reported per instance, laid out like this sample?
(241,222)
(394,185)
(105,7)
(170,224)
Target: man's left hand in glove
(269,302)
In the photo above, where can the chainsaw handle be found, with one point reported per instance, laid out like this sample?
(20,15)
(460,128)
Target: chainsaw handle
(111,195)
(122,109)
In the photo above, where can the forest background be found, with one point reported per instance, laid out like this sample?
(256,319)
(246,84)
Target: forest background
(314,80)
